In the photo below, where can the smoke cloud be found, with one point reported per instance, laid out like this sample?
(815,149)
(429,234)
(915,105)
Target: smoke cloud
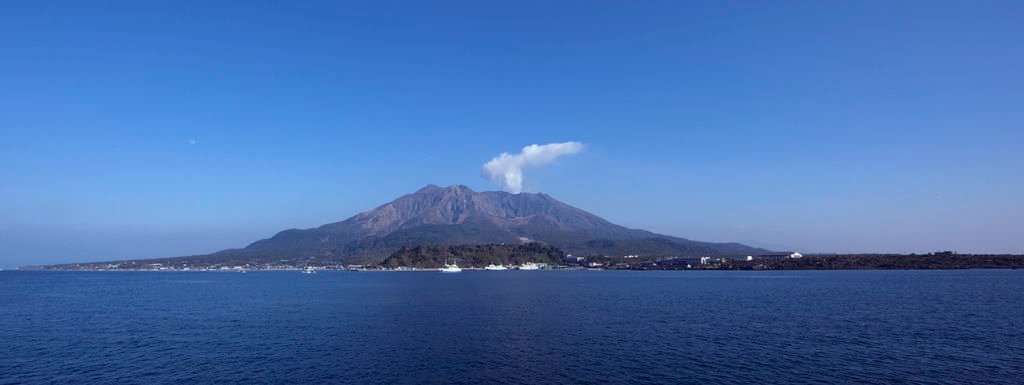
(507,169)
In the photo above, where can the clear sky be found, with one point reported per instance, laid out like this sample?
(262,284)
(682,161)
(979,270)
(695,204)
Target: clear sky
(132,130)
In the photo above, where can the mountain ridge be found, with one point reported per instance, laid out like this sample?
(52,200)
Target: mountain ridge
(456,214)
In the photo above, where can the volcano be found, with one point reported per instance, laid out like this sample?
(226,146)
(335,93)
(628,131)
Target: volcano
(457,215)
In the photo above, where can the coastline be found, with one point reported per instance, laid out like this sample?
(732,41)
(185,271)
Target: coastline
(427,263)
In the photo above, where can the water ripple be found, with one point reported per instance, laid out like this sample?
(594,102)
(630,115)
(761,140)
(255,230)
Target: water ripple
(938,327)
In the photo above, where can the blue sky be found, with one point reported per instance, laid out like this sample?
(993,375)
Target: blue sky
(820,126)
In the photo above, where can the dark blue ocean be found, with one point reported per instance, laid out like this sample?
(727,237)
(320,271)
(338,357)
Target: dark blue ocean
(544,327)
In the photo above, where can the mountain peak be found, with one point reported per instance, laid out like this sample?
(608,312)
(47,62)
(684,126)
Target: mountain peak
(429,187)
(453,188)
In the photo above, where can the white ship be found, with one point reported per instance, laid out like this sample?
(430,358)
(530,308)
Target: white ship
(452,268)
(495,267)
(529,266)
(308,270)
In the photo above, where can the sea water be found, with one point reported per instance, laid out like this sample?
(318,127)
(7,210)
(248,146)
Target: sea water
(538,327)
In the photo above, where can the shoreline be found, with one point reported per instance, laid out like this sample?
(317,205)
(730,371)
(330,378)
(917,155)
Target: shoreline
(483,270)
(430,263)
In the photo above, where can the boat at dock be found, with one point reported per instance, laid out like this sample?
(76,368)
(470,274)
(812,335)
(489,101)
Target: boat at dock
(529,266)
(450,268)
(495,267)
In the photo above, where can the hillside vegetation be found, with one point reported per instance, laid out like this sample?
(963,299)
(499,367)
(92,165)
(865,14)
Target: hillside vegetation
(473,255)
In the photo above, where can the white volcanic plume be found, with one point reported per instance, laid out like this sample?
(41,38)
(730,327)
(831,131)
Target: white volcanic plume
(507,169)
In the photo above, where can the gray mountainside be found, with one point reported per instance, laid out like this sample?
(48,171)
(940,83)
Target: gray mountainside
(458,215)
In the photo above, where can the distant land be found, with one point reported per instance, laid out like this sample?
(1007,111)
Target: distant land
(434,224)
(457,215)
(431,257)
